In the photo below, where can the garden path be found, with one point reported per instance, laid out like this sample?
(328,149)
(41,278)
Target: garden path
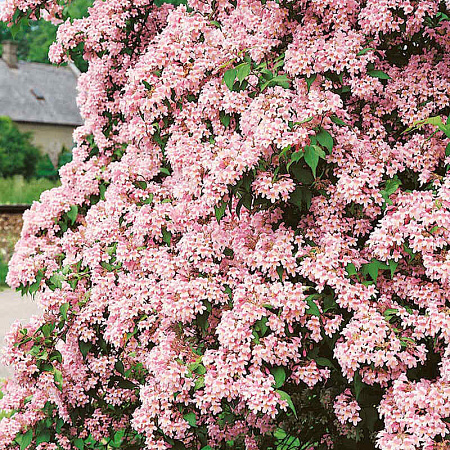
(13,307)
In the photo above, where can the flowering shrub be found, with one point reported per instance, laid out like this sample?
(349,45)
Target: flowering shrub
(249,249)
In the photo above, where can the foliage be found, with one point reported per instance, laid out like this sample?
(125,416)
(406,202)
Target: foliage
(64,157)
(18,156)
(2,413)
(17,190)
(3,273)
(46,169)
(249,249)
(36,36)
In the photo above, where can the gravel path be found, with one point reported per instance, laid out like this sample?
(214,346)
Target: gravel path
(13,307)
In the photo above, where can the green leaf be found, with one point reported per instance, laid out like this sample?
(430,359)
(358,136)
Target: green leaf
(378,74)
(296,197)
(279,62)
(243,71)
(73,213)
(312,154)
(44,436)
(351,269)
(25,439)
(301,174)
(310,80)
(357,384)
(261,326)
(324,362)
(59,425)
(84,347)
(373,269)
(191,419)
(56,356)
(63,310)
(435,121)
(308,119)
(313,309)
(57,375)
(392,185)
(365,50)
(225,119)
(166,235)
(445,129)
(148,200)
(280,376)
(228,77)
(389,312)
(126,384)
(295,157)
(280,271)
(56,281)
(141,184)
(338,121)
(370,417)
(79,443)
(329,303)
(199,382)
(200,369)
(393,266)
(219,210)
(147,85)
(102,191)
(267,74)
(120,367)
(325,139)
(35,286)
(177,445)
(47,329)
(279,434)
(202,320)
(285,396)
(118,439)
(279,80)
(301,196)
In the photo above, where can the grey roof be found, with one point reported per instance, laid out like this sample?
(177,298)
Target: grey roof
(57,86)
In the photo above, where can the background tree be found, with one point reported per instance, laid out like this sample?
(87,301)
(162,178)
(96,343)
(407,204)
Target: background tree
(36,36)
(18,156)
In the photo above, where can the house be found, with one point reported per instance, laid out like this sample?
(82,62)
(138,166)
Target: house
(39,98)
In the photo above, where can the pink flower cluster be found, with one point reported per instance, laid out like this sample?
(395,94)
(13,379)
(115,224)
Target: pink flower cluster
(346,408)
(253,216)
(414,414)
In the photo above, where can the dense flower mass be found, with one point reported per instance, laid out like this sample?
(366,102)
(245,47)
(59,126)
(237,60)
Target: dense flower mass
(250,248)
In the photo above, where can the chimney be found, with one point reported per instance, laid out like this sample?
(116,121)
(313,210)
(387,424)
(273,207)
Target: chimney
(10,53)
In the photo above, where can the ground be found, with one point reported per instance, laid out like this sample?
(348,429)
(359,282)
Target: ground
(13,307)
